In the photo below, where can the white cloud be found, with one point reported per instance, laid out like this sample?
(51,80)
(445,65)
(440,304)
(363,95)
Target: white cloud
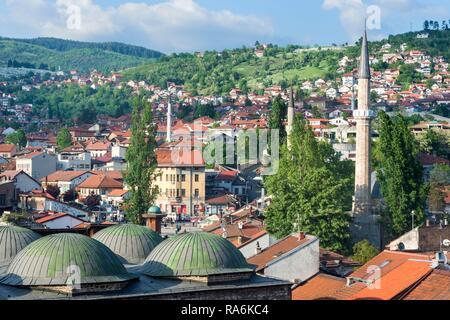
(396,15)
(172,25)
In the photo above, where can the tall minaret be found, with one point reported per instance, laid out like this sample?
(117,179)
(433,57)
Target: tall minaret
(366,226)
(169,121)
(290,116)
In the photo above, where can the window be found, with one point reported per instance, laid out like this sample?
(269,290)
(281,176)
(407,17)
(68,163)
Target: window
(2,199)
(183,178)
(196,177)
(183,192)
(197,193)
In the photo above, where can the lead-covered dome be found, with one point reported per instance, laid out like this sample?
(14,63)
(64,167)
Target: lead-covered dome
(130,242)
(197,256)
(66,259)
(12,240)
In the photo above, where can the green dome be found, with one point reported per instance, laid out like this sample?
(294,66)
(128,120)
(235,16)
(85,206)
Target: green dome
(50,261)
(130,242)
(154,210)
(12,240)
(197,254)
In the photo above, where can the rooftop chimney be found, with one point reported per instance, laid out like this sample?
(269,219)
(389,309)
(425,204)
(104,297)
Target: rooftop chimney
(301,236)
(258,248)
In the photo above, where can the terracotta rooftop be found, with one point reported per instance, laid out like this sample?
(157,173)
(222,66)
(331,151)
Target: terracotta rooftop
(30,155)
(100,181)
(98,146)
(116,175)
(7,147)
(55,216)
(278,249)
(435,287)
(117,193)
(320,287)
(63,176)
(398,271)
(396,281)
(179,158)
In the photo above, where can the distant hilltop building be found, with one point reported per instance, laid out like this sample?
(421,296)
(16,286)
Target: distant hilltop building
(423,36)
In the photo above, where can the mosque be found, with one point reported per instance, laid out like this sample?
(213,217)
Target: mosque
(128,262)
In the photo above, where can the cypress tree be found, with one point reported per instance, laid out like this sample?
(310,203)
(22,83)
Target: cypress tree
(141,160)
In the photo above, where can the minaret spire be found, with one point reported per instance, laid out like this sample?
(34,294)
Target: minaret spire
(364,67)
(365,224)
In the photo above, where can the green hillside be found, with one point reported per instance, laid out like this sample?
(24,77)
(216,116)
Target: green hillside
(218,73)
(79,58)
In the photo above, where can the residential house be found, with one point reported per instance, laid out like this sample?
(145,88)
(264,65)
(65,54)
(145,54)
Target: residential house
(181,181)
(74,158)
(23,182)
(98,185)
(59,221)
(36,164)
(7,151)
(98,149)
(294,258)
(65,180)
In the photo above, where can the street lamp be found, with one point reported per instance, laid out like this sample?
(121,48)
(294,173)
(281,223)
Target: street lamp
(413,213)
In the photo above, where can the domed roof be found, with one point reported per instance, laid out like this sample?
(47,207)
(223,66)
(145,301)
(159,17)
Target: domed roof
(54,261)
(131,243)
(12,240)
(154,210)
(197,254)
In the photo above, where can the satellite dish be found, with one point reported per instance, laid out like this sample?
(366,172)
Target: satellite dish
(446,242)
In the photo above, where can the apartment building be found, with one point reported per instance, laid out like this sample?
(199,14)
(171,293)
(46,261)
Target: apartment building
(181,181)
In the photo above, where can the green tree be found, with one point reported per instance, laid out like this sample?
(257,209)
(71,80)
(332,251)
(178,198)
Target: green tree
(277,116)
(141,160)
(439,182)
(364,251)
(63,139)
(436,143)
(17,138)
(312,191)
(400,174)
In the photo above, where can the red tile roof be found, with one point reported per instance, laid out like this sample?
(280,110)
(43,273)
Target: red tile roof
(7,148)
(179,157)
(320,287)
(396,281)
(55,216)
(100,181)
(435,287)
(63,176)
(278,249)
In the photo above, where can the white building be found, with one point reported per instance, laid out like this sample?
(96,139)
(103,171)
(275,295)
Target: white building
(75,160)
(36,164)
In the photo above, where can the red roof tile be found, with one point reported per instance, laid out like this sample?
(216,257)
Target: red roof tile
(278,249)
(320,287)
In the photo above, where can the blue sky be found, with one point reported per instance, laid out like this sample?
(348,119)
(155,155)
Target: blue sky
(196,25)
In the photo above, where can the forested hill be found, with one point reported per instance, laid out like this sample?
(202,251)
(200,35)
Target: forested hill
(52,54)
(218,72)
(67,45)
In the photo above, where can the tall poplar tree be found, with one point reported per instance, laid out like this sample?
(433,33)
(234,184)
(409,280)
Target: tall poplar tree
(141,160)
(311,191)
(400,175)
(277,116)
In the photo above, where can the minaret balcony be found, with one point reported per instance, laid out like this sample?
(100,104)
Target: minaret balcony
(363,114)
